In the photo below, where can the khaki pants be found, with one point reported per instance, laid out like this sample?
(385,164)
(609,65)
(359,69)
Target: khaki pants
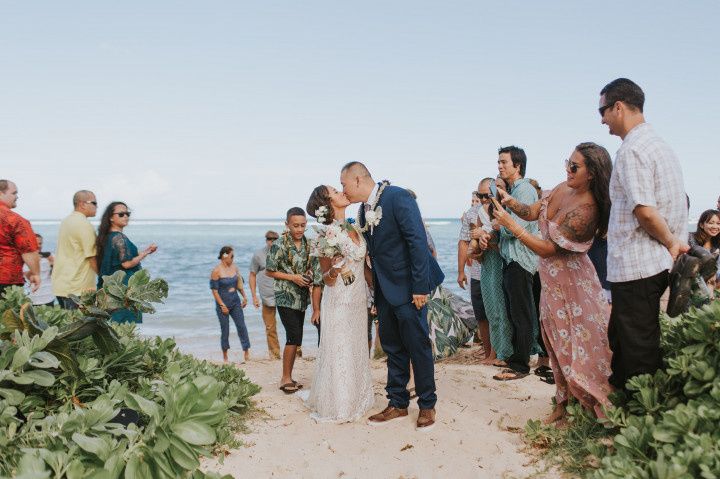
(268,315)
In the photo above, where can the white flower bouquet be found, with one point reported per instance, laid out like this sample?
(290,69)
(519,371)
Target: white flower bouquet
(332,241)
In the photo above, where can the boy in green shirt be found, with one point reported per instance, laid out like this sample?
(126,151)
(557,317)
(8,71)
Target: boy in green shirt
(296,274)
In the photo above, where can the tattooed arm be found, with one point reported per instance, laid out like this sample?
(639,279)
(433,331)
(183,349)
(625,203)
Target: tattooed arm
(526,212)
(579,225)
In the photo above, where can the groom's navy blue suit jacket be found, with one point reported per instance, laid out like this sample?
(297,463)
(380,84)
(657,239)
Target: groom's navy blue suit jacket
(401,260)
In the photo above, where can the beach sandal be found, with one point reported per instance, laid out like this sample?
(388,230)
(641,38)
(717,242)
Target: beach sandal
(289,388)
(682,275)
(548,379)
(499,363)
(297,384)
(512,375)
(543,371)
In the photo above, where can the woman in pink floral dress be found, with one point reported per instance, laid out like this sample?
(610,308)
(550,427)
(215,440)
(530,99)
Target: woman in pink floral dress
(574,312)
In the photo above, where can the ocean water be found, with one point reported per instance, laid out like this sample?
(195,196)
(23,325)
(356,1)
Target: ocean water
(187,252)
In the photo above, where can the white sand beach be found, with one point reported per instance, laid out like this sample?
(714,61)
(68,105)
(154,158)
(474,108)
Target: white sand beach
(478,433)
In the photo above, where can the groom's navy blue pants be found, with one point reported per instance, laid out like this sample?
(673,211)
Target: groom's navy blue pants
(404,336)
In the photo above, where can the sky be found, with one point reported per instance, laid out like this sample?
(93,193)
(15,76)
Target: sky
(236,109)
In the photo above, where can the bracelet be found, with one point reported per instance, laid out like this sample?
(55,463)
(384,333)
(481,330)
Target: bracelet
(327,273)
(522,235)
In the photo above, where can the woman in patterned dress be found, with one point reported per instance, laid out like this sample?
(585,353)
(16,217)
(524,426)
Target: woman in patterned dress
(574,314)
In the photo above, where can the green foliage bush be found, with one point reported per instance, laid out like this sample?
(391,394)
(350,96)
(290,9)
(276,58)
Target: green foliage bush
(65,375)
(668,424)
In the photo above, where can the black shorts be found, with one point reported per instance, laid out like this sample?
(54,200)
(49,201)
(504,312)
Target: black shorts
(293,321)
(477,301)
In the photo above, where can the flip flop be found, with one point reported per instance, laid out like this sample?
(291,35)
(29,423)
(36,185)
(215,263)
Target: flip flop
(548,379)
(297,384)
(289,388)
(543,371)
(514,375)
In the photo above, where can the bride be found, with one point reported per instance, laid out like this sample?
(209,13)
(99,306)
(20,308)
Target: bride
(342,386)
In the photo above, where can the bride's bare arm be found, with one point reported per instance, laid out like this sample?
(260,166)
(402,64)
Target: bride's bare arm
(329,273)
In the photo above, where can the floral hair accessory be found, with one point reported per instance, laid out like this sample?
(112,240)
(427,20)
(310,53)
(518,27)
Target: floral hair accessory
(320,214)
(351,221)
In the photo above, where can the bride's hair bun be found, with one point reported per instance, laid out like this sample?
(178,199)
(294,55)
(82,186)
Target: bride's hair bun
(320,197)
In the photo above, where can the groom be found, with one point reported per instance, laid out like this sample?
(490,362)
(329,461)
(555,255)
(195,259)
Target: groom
(404,274)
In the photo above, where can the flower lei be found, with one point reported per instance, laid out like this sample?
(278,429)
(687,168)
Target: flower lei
(288,244)
(374,215)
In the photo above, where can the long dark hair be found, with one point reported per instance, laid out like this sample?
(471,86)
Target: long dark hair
(104,230)
(320,196)
(701,236)
(599,165)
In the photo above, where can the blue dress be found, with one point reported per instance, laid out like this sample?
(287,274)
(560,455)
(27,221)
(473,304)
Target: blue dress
(119,249)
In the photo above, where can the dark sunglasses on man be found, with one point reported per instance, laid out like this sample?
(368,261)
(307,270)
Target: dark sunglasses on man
(482,196)
(603,108)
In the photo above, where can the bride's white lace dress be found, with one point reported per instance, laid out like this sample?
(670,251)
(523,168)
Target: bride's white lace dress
(341,390)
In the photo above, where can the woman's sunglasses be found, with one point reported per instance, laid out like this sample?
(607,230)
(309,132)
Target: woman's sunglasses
(572,166)
(123,214)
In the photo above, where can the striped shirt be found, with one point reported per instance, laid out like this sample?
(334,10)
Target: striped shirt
(646,173)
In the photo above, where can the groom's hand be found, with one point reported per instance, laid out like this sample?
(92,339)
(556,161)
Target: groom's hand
(419,300)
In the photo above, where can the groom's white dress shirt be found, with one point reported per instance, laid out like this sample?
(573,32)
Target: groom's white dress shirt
(372,196)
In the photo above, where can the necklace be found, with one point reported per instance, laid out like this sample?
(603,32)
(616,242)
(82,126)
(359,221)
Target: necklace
(289,246)
(377,211)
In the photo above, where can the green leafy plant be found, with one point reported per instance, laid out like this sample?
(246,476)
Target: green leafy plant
(665,427)
(65,376)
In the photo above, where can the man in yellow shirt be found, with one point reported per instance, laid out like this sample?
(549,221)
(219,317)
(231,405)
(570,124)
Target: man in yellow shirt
(75,268)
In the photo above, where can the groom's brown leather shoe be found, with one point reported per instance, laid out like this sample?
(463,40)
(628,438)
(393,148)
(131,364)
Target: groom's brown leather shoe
(426,420)
(387,415)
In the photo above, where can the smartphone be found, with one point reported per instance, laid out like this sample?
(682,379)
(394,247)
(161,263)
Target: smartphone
(493,189)
(493,194)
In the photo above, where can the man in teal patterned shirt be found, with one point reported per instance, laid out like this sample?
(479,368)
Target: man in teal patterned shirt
(521,264)
(296,274)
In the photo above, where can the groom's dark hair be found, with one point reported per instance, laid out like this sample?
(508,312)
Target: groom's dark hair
(356,165)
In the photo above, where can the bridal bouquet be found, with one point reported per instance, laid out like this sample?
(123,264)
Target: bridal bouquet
(333,240)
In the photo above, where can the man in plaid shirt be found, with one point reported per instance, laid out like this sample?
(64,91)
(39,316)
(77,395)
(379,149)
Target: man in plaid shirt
(647,230)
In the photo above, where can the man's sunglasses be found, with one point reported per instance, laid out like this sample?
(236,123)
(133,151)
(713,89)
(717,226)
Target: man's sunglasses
(572,166)
(268,238)
(483,196)
(123,214)
(94,203)
(603,108)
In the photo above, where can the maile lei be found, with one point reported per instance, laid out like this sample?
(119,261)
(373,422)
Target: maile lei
(374,214)
(289,247)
